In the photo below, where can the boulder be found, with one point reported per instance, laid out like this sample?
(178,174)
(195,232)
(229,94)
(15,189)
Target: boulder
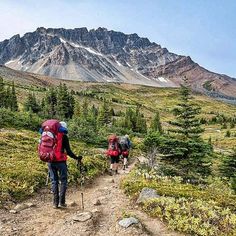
(126,222)
(142,160)
(20,207)
(146,194)
(83,216)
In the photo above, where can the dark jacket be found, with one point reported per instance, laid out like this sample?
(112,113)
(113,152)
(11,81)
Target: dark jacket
(66,147)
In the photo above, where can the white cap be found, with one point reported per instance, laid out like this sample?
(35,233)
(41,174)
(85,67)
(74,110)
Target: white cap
(63,124)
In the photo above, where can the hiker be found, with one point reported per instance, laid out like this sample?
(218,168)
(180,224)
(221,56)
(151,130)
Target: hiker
(125,145)
(53,148)
(114,153)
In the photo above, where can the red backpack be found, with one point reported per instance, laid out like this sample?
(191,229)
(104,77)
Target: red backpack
(48,143)
(113,146)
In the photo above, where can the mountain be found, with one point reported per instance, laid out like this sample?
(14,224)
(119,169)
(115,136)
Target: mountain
(108,56)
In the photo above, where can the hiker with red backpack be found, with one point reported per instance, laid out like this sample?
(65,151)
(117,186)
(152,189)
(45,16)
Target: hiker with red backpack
(113,152)
(53,148)
(125,145)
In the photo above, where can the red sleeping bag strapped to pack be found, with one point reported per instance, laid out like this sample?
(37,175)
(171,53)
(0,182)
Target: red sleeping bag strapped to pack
(50,146)
(125,153)
(113,146)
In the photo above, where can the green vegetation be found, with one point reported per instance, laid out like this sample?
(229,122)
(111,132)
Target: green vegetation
(208,86)
(194,217)
(206,209)
(178,165)
(22,173)
(189,150)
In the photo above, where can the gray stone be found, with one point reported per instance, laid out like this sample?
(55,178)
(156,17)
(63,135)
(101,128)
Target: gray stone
(83,216)
(94,211)
(30,204)
(13,211)
(146,194)
(97,202)
(72,204)
(142,160)
(20,207)
(126,222)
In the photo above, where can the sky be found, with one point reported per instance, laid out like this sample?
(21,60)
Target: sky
(205,30)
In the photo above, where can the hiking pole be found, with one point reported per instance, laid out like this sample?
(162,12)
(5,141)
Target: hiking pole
(82,169)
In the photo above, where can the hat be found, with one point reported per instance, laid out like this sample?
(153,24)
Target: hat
(63,124)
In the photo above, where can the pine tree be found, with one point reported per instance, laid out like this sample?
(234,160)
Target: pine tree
(31,103)
(228,134)
(156,124)
(71,105)
(2,93)
(189,153)
(8,98)
(112,112)
(13,103)
(62,102)
(228,168)
(104,116)
(77,110)
(94,111)
(51,103)
(85,109)
(43,108)
(232,124)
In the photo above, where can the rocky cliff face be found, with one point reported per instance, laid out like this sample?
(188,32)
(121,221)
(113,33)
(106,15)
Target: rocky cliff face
(101,55)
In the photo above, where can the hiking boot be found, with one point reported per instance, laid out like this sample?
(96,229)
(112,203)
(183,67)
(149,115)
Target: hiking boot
(110,172)
(55,206)
(63,205)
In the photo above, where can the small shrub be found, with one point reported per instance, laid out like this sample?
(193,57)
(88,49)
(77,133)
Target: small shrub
(194,217)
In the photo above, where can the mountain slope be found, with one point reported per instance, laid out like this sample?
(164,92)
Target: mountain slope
(108,56)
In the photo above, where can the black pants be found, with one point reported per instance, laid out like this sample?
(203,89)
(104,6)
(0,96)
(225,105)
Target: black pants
(58,171)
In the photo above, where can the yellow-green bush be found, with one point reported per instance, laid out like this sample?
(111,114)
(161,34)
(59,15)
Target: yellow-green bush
(194,217)
(203,210)
(21,171)
(172,187)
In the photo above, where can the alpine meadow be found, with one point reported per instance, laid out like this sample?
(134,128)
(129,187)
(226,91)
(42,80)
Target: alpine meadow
(107,133)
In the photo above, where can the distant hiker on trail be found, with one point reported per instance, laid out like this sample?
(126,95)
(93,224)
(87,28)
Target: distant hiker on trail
(53,148)
(125,145)
(113,152)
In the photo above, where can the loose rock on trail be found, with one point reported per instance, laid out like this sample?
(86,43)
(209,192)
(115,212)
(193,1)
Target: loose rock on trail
(104,207)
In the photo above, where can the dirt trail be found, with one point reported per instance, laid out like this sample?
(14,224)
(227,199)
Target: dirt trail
(43,220)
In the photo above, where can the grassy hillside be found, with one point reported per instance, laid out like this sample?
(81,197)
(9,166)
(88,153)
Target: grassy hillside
(21,172)
(150,99)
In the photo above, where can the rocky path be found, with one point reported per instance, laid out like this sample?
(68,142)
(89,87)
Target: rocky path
(104,205)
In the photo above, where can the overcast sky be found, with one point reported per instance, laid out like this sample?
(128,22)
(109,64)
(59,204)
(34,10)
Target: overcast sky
(202,29)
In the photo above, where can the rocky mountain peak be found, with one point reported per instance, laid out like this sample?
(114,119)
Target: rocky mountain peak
(103,55)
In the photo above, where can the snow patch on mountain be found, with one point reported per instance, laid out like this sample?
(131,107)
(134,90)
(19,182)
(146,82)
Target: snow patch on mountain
(9,62)
(118,63)
(80,46)
(162,79)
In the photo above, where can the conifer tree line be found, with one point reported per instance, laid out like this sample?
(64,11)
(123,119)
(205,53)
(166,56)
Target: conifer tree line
(8,97)
(186,154)
(60,103)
